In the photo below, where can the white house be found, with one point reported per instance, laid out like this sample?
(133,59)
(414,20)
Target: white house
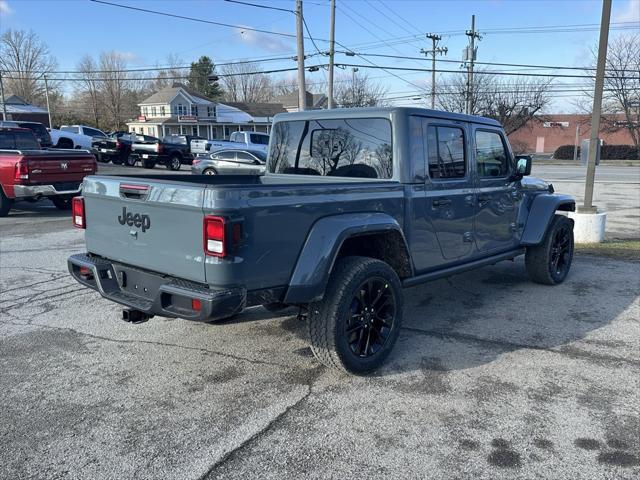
(180,110)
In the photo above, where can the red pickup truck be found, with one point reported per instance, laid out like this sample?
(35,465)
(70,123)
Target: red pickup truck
(28,172)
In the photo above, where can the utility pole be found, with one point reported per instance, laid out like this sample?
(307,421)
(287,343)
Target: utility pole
(4,105)
(46,92)
(332,52)
(470,58)
(597,108)
(576,143)
(435,50)
(302,90)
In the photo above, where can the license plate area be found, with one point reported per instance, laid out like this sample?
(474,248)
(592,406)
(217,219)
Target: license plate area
(136,282)
(145,155)
(103,150)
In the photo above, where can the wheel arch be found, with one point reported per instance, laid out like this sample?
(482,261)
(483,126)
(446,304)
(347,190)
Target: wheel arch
(375,235)
(540,215)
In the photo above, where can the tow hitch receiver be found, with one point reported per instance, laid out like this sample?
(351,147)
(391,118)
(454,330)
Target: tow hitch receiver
(135,316)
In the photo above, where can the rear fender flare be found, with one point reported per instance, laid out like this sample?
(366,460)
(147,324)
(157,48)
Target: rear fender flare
(315,262)
(541,212)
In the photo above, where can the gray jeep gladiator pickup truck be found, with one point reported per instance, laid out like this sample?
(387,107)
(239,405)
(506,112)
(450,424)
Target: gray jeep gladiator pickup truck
(355,205)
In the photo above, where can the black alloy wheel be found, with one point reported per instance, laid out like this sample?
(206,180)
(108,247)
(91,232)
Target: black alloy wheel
(371,317)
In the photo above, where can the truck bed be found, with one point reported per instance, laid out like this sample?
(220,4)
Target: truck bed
(276,213)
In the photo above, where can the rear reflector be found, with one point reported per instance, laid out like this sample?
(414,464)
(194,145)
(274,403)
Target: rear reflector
(77,212)
(196,304)
(214,236)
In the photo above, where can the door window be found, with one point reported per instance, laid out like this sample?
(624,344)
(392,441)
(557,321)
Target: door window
(244,157)
(445,152)
(491,155)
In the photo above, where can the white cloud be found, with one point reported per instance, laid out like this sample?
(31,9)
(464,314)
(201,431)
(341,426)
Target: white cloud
(5,9)
(270,43)
(629,13)
(129,57)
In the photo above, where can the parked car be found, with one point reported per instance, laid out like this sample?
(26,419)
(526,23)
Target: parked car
(115,148)
(74,136)
(29,172)
(355,205)
(39,130)
(230,162)
(240,140)
(172,151)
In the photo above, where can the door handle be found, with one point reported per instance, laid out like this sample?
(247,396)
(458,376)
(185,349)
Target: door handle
(441,203)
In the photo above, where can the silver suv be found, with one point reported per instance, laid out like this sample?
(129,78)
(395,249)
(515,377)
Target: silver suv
(230,162)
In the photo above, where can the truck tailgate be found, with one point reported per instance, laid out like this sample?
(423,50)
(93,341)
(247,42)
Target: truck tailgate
(153,225)
(50,166)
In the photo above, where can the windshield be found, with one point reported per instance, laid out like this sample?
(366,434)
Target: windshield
(356,147)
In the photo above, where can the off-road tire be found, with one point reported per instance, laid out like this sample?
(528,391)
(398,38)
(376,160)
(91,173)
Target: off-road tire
(327,318)
(539,259)
(174,163)
(64,143)
(5,204)
(61,203)
(131,161)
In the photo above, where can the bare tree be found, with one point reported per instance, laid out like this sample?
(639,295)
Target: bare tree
(241,83)
(26,59)
(358,90)
(621,94)
(89,87)
(174,72)
(115,85)
(512,102)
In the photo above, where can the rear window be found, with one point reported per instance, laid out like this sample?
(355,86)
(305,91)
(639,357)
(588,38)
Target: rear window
(18,141)
(356,147)
(259,139)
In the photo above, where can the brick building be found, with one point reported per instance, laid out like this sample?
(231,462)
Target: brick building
(544,134)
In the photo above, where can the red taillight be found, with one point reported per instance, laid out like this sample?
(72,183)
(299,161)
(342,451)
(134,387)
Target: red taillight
(118,145)
(196,304)
(160,148)
(21,171)
(77,212)
(214,236)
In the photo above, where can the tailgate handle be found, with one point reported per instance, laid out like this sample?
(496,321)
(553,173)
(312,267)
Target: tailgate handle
(133,191)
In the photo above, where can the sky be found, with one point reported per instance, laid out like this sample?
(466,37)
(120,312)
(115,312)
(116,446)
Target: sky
(73,28)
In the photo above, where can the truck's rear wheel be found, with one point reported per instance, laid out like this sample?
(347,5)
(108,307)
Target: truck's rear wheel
(5,204)
(64,143)
(355,326)
(61,203)
(131,160)
(549,262)
(174,163)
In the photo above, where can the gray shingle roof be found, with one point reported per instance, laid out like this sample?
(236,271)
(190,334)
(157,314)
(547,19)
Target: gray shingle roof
(166,94)
(258,109)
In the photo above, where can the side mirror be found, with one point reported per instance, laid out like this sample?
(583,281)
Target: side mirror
(523,165)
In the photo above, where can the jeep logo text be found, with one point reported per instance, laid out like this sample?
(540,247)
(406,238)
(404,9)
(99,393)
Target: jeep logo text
(135,220)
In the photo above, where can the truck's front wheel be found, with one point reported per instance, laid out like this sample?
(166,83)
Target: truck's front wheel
(549,262)
(356,325)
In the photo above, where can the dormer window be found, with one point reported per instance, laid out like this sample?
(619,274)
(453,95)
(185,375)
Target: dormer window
(211,111)
(194,110)
(162,111)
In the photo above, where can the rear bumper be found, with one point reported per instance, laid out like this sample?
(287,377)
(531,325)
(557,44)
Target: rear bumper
(43,191)
(155,294)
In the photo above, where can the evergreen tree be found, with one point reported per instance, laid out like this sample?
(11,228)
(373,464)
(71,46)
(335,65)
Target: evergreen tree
(198,78)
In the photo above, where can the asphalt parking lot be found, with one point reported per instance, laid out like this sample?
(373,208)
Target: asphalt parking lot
(493,377)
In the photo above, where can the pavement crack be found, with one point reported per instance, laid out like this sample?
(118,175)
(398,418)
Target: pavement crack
(151,342)
(209,474)
(511,346)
